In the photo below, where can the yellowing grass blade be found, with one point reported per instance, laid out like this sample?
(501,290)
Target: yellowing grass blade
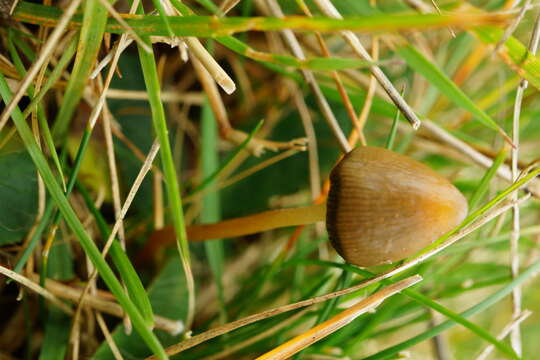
(326,328)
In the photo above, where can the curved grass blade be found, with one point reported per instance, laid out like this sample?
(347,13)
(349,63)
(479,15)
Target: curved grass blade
(486,179)
(149,68)
(92,30)
(426,301)
(125,268)
(42,119)
(207,181)
(481,306)
(514,54)
(446,86)
(211,26)
(315,63)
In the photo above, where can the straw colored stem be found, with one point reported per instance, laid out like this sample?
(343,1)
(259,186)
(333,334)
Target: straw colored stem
(328,327)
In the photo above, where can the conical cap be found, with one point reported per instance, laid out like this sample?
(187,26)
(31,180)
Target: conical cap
(383,206)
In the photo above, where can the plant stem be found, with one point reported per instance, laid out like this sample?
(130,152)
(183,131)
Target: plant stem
(251,224)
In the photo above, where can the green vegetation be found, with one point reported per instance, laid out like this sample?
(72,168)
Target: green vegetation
(233,97)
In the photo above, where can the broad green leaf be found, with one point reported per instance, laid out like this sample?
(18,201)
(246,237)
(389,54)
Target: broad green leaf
(18,196)
(168,297)
(57,329)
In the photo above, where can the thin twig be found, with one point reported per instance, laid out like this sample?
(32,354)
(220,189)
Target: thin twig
(195,98)
(368,101)
(228,5)
(507,329)
(35,288)
(296,49)
(125,25)
(328,8)
(307,123)
(513,26)
(503,171)
(252,340)
(514,239)
(214,98)
(330,326)
(100,303)
(211,65)
(108,338)
(440,13)
(337,79)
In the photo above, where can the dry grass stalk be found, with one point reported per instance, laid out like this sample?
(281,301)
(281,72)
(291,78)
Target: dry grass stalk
(328,327)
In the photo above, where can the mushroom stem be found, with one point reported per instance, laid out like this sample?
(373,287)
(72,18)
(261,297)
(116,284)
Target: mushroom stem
(259,222)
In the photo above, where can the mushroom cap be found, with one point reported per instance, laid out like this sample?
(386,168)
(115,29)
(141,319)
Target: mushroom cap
(383,207)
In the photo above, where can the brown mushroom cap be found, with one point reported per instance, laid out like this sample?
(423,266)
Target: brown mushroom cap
(383,206)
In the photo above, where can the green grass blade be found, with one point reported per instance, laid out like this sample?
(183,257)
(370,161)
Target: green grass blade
(513,53)
(426,301)
(210,211)
(315,63)
(183,9)
(164,17)
(434,331)
(125,268)
(210,26)
(35,105)
(210,6)
(208,180)
(64,60)
(92,30)
(56,337)
(446,86)
(167,285)
(76,226)
(151,79)
(460,319)
(486,179)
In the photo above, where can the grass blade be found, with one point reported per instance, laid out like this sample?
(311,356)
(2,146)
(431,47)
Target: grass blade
(513,53)
(56,337)
(208,180)
(210,203)
(314,63)
(92,30)
(486,179)
(436,77)
(209,26)
(151,79)
(125,268)
(486,303)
